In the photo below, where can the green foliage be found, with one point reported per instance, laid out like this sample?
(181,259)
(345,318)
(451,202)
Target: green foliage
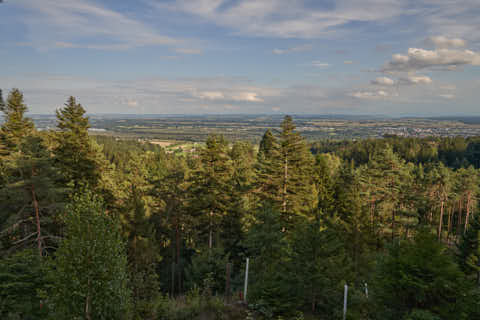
(211,188)
(285,173)
(22,280)
(15,126)
(90,266)
(417,314)
(76,155)
(309,225)
(319,266)
(421,275)
(469,250)
(207,271)
(271,280)
(30,198)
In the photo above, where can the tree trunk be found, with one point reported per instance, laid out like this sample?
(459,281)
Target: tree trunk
(285,177)
(88,316)
(440,221)
(449,227)
(459,217)
(210,233)
(469,199)
(37,218)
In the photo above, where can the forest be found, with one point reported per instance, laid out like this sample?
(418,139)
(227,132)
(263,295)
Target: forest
(108,228)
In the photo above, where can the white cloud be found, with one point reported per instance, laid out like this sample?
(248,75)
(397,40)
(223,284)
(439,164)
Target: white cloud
(320,64)
(247,96)
(417,59)
(413,79)
(443,42)
(210,95)
(447,96)
(383,81)
(348,62)
(370,94)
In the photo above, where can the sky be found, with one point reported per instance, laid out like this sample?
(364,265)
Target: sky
(378,57)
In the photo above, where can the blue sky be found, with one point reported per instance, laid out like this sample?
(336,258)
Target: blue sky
(389,57)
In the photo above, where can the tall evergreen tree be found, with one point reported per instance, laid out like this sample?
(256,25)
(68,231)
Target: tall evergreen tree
(15,126)
(211,188)
(30,197)
(285,172)
(75,154)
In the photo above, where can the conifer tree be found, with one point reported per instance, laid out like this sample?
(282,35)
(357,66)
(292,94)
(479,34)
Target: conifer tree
(297,161)
(75,154)
(15,126)
(242,178)
(30,195)
(319,264)
(385,177)
(267,146)
(141,253)
(419,275)
(285,172)
(469,250)
(2,102)
(267,170)
(211,188)
(354,225)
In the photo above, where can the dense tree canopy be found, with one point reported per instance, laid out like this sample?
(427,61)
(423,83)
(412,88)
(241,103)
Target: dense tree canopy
(109,228)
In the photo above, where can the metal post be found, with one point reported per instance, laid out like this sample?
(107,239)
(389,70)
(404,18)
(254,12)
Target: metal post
(345,294)
(246,282)
(366,290)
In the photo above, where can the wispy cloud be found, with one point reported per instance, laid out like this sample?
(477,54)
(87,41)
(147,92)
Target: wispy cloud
(320,64)
(188,51)
(302,48)
(285,18)
(86,24)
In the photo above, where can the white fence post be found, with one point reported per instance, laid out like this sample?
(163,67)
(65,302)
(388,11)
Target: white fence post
(246,282)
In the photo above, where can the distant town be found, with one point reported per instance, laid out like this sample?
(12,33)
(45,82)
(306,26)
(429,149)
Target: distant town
(196,128)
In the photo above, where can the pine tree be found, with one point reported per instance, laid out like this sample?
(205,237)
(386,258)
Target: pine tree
(319,265)
(355,227)
(285,173)
(297,162)
(30,197)
(22,282)
(267,170)
(267,146)
(75,154)
(469,250)
(384,178)
(419,275)
(211,188)
(2,102)
(15,126)
(242,202)
(141,252)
